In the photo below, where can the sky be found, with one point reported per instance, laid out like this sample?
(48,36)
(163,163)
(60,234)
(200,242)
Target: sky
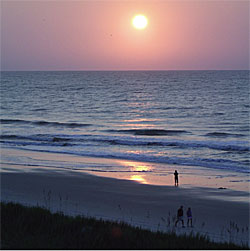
(98,35)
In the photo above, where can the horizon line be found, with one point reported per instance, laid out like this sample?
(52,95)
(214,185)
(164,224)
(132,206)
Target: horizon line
(123,70)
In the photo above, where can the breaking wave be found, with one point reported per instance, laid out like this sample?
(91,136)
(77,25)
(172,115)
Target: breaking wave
(43,123)
(239,146)
(223,134)
(150,132)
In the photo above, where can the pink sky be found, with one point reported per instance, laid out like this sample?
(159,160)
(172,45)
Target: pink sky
(98,35)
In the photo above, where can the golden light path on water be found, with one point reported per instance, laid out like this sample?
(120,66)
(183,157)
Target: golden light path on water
(138,178)
(137,167)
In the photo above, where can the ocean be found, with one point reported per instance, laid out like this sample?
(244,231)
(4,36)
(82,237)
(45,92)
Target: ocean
(182,118)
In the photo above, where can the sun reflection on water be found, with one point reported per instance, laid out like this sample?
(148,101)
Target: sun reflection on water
(138,178)
(137,167)
(139,123)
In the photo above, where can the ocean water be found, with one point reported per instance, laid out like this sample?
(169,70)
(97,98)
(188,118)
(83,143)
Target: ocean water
(184,118)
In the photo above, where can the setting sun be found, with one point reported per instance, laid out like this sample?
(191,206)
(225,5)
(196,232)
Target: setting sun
(140,22)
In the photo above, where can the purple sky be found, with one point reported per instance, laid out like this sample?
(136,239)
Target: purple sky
(98,35)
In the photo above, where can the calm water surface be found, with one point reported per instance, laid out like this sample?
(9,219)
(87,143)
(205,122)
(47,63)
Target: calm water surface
(185,118)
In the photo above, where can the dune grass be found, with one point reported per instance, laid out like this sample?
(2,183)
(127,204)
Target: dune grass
(37,228)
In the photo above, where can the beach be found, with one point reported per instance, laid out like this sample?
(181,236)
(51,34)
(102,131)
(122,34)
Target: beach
(221,214)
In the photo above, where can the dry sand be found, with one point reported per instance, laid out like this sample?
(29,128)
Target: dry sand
(217,213)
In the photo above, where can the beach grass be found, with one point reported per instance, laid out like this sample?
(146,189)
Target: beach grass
(25,227)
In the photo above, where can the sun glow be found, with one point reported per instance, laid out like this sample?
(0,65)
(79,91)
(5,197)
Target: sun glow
(140,22)
(138,178)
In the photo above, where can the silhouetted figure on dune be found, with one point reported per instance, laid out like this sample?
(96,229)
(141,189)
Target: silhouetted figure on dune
(189,216)
(176,181)
(180,216)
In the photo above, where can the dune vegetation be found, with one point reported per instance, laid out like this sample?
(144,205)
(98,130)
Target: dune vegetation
(37,228)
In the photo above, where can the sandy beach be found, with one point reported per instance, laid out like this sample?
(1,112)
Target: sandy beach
(218,213)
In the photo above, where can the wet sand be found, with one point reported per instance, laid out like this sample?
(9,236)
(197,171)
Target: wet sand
(142,172)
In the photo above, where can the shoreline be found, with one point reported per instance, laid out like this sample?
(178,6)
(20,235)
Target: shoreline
(148,206)
(122,169)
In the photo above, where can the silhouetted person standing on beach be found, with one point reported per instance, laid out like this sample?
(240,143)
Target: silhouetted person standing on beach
(180,216)
(176,178)
(189,216)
